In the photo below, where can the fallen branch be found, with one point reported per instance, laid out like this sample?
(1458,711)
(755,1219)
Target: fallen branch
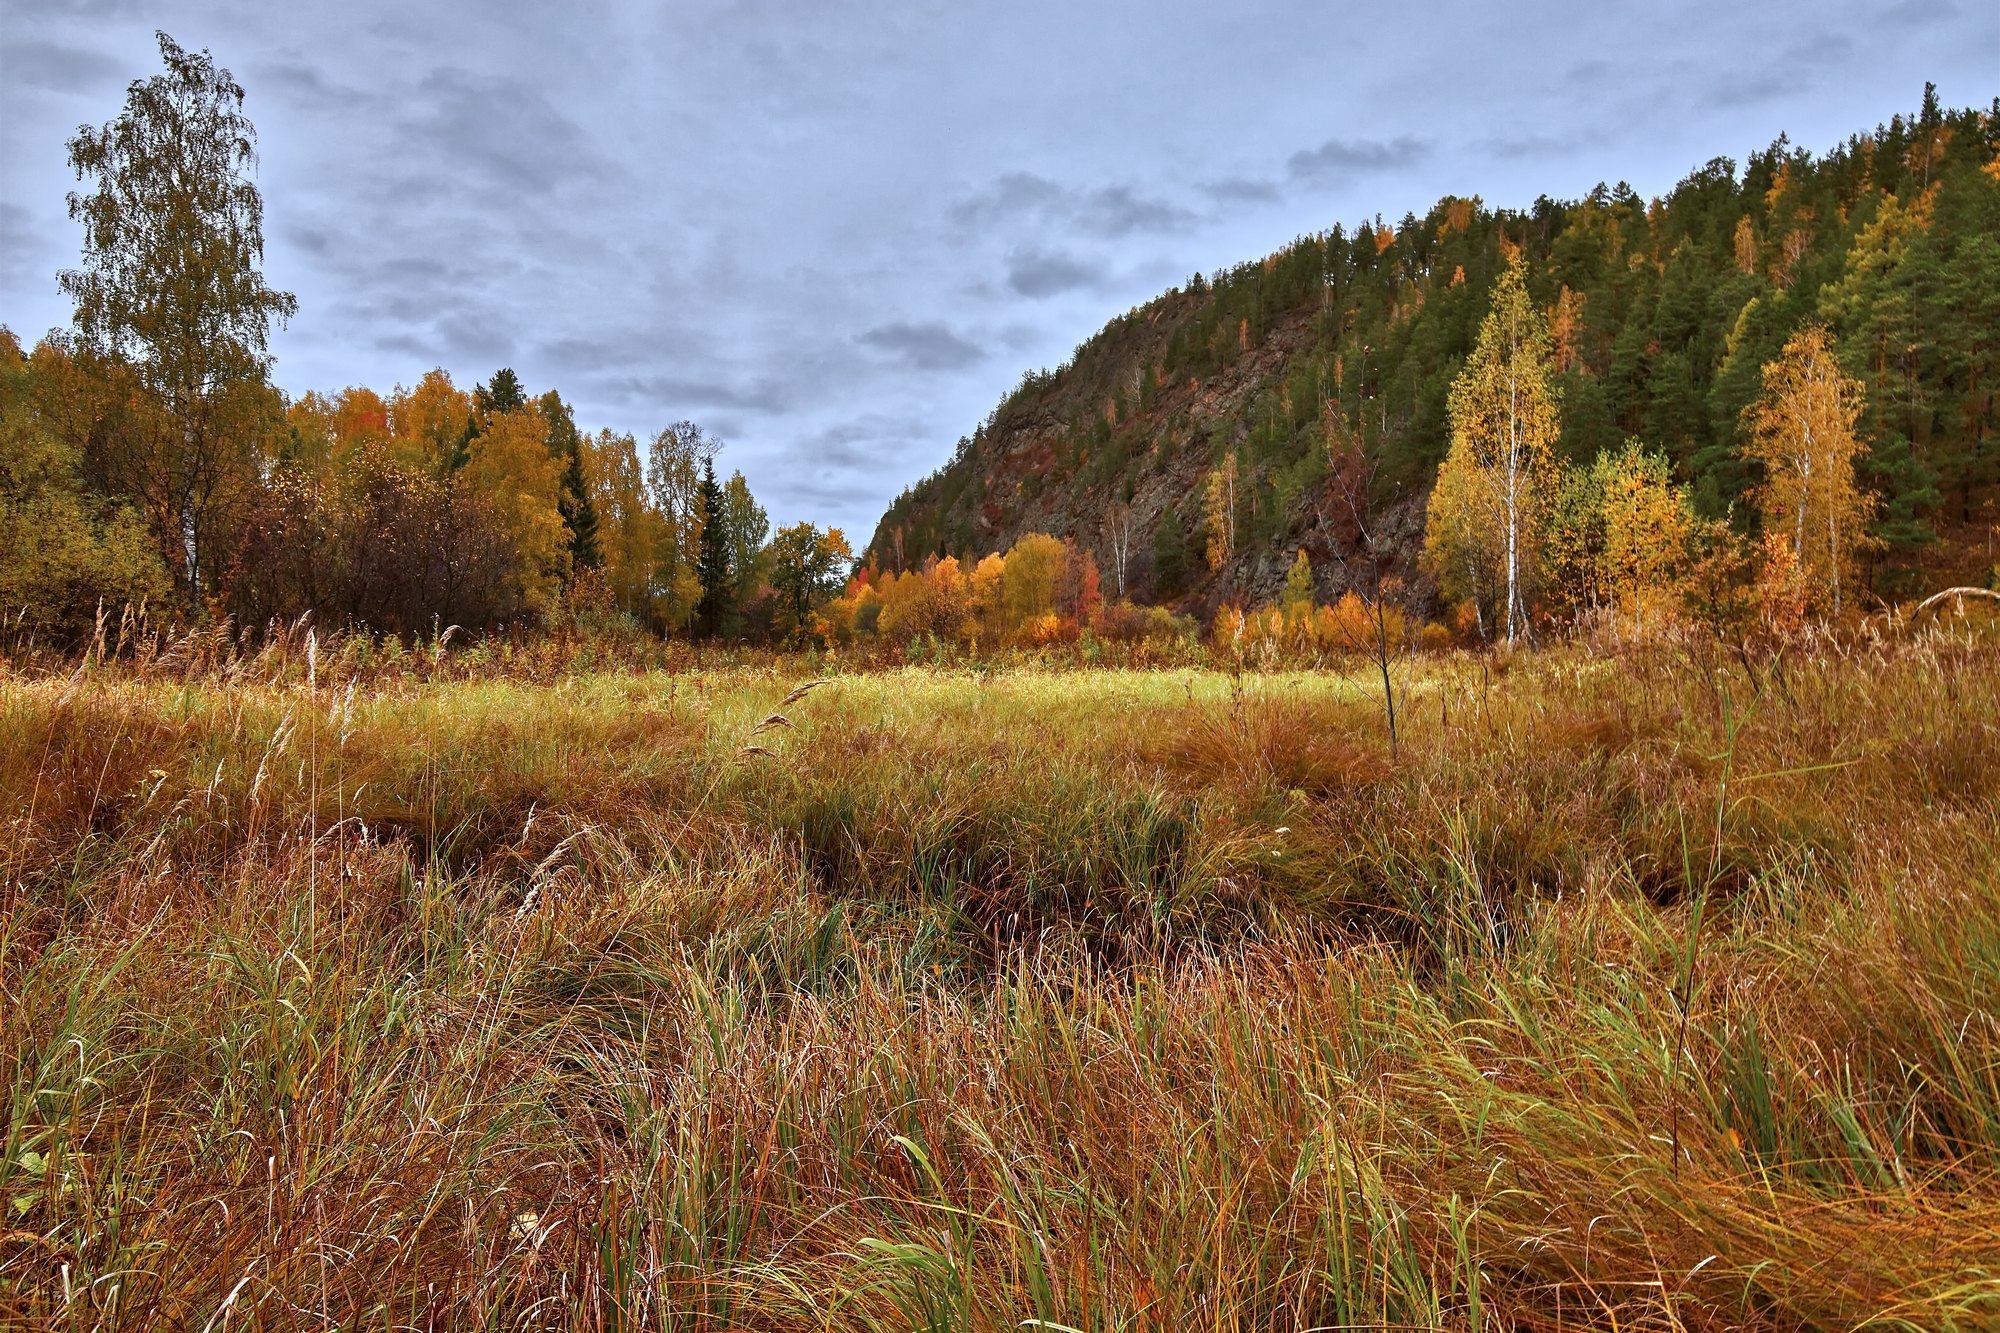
(1937,597)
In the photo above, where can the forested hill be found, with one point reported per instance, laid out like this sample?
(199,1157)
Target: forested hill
(1663,313)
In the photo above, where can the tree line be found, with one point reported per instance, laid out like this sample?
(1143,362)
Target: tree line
(146,457)
(1588,447)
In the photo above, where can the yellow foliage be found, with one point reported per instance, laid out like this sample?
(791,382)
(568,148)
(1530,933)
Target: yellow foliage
(1781,594)
(1647,524)
(1802,430)
(430,419)
(509,466)
(1486,513)
(1029,577)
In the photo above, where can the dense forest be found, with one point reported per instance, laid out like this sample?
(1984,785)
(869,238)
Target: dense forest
(1661,316)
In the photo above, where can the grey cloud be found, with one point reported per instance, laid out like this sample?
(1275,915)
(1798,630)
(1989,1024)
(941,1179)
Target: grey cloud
(1914,12)
(506,130)
(1242,190)
(1035,272)
(313,240)
(296,78)
(1110,211)
(22,245)
(684,393)
(926,346)
(94,10)
(1352,157)
(1010,195)
(846,447)
(1527,146)
(1119,211)
(1589,73)
(58,68)
(843,464)
(1796,69)
(576,354)
(1021,337)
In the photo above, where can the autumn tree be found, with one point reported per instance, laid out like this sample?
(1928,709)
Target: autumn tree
(63,552)
(1801,429)
(745,527)
(1028,585)
(1462,550)
(1503,432)
(508,467)
(630,530)
(1573,539)
(807,569)
(983,586)
(675,462)
(171,291)
(1365,552)
(1647,526)
(1219,512)
(1079,589)
(1298,584)
(933,599)
(432,422)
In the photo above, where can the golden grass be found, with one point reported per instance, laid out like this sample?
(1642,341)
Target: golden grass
(1631,992)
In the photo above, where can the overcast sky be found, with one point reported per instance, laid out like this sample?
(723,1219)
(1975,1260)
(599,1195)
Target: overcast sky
(837,233)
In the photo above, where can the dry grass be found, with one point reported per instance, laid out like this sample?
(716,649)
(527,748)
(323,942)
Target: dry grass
(1622,996)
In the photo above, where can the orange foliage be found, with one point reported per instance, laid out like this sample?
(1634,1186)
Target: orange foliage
(1781,593)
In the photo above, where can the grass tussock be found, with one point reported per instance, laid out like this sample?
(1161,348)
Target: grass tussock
(1625,992)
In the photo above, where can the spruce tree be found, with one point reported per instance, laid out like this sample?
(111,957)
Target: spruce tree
(503,395)
(578,509)
(712,563)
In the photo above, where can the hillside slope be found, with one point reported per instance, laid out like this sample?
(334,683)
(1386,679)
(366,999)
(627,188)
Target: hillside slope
(1663,312)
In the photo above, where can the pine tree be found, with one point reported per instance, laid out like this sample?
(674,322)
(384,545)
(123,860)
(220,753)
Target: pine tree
(504,394)
(712,563)
(1169,554)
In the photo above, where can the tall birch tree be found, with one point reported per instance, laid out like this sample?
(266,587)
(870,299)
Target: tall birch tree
(171,292)
(1503,431)
(1802,430)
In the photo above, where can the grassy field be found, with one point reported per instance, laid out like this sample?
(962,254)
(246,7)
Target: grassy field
(1628,991)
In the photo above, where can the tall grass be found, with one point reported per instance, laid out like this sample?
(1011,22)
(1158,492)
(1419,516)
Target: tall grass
(1631,992)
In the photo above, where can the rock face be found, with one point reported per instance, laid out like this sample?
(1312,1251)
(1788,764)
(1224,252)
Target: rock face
(1661,316)
(1109,446)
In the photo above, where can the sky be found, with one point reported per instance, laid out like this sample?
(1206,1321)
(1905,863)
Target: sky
(836,234)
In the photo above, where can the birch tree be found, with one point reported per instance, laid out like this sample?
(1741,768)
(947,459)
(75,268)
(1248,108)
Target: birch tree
(171,290)
(1503,431)
(1802,430)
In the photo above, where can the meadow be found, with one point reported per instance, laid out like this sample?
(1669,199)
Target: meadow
(1639,988)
